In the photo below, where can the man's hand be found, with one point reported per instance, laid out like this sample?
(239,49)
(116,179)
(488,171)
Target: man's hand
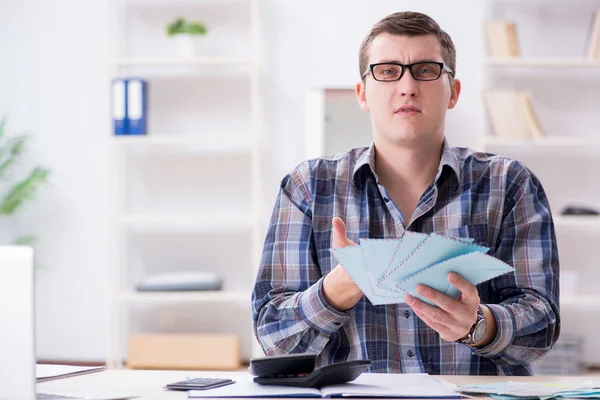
(339,289)
(454,318)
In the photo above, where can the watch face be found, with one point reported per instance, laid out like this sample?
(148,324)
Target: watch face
(479,331)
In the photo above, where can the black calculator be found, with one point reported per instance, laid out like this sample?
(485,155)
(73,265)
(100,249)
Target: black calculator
(199,384)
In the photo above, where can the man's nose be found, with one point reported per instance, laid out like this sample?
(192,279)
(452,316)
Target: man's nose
(407,85)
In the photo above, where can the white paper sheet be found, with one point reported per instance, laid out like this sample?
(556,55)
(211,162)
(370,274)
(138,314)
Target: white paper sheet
(47,372)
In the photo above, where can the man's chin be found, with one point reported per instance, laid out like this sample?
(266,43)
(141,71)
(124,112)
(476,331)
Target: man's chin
(411,139)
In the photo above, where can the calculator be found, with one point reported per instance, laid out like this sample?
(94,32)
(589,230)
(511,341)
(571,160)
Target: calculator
(199,384)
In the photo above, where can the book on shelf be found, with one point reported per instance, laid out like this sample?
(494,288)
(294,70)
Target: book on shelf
(593,39)
(512,115)
(502,39)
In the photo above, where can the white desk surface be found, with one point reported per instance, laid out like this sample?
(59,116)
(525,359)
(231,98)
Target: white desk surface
(149,384)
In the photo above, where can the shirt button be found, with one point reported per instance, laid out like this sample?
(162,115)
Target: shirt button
(386,199)
(410,353)
(407,314)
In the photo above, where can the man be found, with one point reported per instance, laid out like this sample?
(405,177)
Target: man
(409,179)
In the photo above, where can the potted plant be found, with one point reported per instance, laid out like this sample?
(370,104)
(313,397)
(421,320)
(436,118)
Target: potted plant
(185,35)
(18,193)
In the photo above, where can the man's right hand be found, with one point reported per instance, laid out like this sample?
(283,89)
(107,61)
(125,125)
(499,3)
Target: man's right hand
(339,289)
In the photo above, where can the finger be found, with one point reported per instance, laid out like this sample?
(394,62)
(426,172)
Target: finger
(339,234)
(457,316)
(432,313)
(446,303)
(445,332)
(467,289)
(439,328)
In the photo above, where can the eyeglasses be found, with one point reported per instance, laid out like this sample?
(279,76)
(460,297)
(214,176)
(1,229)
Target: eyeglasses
(421,71)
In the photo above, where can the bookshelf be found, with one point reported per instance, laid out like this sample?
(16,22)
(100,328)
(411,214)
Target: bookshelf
(543,62)
(549,142)
(214,297)
(186,196)
(174,62)
(555,66)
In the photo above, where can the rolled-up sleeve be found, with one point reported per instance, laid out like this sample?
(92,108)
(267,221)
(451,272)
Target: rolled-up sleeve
(289,311)
(525,304)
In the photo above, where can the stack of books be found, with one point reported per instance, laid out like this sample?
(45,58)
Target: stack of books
(593,41)
(512,115)
(502,39)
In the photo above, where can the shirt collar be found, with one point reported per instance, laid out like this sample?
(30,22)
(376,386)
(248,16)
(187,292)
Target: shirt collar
(367,158)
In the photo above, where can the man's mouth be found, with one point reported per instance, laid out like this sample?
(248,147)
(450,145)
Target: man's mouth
(408,110)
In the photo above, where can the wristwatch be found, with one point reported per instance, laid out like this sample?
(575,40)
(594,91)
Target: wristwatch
(477,331)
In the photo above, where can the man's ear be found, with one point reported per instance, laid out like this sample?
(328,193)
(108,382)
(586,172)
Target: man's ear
(360,96)
(454,93)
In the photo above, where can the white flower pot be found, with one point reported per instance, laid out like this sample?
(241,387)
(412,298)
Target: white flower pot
(187,45)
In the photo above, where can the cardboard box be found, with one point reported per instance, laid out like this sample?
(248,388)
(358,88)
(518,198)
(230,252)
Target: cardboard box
(184,351)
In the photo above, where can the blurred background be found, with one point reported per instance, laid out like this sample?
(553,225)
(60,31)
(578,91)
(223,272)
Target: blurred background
(148,138)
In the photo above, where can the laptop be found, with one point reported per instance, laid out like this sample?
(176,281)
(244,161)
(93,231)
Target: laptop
(17,336)
(17,343)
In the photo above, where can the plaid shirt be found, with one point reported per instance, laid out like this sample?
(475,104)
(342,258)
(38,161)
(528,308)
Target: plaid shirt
(493,199)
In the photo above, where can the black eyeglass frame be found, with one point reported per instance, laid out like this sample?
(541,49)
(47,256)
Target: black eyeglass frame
(443,67)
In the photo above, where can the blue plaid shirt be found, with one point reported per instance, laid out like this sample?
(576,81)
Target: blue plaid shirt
(495,200)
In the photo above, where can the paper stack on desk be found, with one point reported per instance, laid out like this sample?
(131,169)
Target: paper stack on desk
(388,269)
(534,390)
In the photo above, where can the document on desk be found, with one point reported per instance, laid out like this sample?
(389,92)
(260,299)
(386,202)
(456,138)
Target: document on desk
(48,372)
(386,270)
(367,385)
(534,390)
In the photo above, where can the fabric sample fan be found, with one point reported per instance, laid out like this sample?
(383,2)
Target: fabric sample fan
(388,269)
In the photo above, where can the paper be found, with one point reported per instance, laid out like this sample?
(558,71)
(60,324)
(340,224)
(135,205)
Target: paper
(393,386)
(366,385)
(388,269)
(534,390)
(48,372)
(244,386)
(101,394)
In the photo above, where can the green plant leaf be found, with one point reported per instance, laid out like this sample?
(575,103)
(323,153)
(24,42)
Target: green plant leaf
(196,28)
(175,27)
(2,125)
(23,191)
(180,25)
(27,240)
(15,147)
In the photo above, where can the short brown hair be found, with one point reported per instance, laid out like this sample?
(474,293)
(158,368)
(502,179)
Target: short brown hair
(408,23)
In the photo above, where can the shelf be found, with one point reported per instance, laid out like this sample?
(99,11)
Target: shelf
(577,221)
(182,62)
(225,143)
(213,222)
(548,141)
(591,300)
(558,62)
(170,3)
(187,296)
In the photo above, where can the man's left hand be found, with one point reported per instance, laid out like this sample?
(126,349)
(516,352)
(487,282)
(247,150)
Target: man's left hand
(454,318)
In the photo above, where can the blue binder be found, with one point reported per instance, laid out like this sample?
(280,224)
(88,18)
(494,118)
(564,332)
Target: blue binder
(137,106)
(119,106)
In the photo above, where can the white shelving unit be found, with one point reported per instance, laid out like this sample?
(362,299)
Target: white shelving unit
(217,296)
(549,62)
(191,62)
(187,196)
(552,37)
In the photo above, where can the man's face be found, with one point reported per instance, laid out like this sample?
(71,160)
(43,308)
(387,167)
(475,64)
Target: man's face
(407,112)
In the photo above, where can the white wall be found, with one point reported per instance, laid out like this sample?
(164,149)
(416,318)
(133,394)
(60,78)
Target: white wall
(52,83)
(313,43)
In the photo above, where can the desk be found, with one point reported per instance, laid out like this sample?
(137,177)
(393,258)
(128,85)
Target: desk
(149,384)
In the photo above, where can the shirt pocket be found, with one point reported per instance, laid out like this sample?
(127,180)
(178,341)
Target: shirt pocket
(477,232)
